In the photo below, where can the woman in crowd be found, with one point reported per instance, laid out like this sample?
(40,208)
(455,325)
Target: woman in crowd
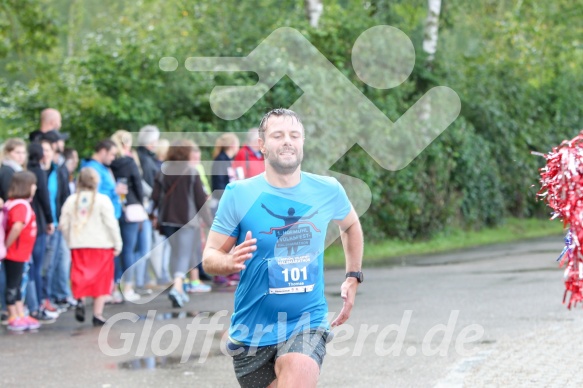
(89,226)
(178,198)
(14,156)
(126,170)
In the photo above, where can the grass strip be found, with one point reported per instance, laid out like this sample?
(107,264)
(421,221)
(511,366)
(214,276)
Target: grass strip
(513,229)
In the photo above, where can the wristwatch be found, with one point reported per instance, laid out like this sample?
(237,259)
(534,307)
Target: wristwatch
(358,275)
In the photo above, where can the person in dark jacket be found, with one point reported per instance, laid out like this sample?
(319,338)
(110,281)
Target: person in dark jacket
(44,220)
(149,165)
(147,141)
(178,198)
(226,147)
(126,170)
(57,260)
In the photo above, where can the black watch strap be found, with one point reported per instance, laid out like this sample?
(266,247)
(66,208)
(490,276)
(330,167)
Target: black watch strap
(358,275)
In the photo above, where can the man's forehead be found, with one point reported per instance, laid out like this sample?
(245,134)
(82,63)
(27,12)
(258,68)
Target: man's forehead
(283,122)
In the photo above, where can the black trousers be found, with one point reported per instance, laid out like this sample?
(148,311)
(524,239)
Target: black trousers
(14,271)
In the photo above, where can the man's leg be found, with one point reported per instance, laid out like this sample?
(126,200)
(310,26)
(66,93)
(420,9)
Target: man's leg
(296,370)
(300,358)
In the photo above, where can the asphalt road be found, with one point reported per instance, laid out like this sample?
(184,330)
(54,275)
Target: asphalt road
(482,317)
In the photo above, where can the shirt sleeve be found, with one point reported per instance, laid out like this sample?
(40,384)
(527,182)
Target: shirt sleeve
(17,214)
(227,220)
(342,203)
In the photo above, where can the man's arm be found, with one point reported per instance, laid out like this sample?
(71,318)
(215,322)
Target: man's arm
(353,244)
(219,257)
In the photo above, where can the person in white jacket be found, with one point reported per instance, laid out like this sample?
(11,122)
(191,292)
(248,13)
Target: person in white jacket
(92,232)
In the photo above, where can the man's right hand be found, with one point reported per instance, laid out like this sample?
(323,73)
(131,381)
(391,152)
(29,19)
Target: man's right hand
(243,252)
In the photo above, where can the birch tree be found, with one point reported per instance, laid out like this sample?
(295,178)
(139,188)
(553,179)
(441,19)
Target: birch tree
(314,9)
(431,29)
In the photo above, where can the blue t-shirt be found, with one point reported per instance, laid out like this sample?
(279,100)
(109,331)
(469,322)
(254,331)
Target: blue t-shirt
(106,183)
(53,186)
(281,290)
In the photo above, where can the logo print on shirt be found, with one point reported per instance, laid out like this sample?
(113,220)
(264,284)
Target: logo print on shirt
(296,231)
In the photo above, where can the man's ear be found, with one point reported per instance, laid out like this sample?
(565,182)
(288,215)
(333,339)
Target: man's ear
(261,144)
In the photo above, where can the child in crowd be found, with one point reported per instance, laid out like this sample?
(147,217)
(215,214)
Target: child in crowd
(92,232)
(20,237)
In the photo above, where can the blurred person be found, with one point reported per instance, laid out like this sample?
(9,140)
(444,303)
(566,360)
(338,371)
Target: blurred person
(148,137)
(39,306)
(50,120)
(20,236)
(194,284)
(13,159)
(124,168)
(178,198)
(249,160)
(104,154)
(162,150)
(92,232)
(160,254)
(71,162)
(226,147)
(149,166)
(57,256)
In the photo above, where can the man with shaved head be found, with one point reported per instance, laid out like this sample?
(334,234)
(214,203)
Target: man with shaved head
(50,120)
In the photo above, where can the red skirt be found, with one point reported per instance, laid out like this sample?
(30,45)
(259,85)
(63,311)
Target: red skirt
(91,272)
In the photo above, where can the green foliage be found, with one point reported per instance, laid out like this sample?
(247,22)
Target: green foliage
(516,66)
(25,27)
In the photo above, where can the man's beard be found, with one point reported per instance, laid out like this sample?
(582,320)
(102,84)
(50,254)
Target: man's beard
(287,167)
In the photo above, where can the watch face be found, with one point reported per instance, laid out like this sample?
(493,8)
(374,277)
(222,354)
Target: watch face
(360,277)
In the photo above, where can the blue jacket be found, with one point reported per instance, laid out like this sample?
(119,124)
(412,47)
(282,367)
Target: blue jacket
(106,183)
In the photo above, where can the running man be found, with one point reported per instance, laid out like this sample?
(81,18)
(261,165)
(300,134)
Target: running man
(279,326)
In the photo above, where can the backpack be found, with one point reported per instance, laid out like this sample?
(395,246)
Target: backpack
(4,221)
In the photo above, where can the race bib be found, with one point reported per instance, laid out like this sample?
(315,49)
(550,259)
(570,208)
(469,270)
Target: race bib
(291,275)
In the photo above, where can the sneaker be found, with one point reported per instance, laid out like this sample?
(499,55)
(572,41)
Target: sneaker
(48,306)
(32,323)
(49,314)
(17,324)
(186,286)
(42,317)
(131,296)
(4,317)
(144,291)
(176,298)
(198,286)
(64,304)
(116,297)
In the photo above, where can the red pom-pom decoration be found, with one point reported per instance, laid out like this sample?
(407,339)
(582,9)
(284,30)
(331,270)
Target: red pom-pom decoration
(562,189)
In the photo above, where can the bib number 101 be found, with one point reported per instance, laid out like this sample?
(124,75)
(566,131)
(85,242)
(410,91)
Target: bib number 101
(295,274)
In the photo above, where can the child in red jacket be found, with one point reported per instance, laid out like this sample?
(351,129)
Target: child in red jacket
(20,236)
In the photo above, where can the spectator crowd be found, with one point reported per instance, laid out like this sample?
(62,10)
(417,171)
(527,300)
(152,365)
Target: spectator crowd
(110,227)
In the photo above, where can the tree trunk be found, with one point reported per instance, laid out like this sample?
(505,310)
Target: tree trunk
(314,9)
(431,29)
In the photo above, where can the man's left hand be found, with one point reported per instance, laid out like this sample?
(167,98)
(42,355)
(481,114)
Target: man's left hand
(348,294)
